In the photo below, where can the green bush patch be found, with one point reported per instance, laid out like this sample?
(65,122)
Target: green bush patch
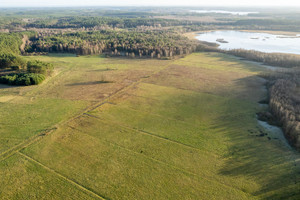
(39,67)
(22,79)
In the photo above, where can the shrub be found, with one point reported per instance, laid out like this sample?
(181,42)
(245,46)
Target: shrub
(22,79)
(6,60)
(8,79)
(39,67)
(36,79)
(10,60)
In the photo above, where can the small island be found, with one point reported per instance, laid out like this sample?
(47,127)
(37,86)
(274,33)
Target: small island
(221,40)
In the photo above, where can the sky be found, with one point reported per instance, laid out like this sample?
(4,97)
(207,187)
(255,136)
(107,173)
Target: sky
(69,3)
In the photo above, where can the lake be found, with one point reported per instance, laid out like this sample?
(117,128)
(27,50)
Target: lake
(222,12)
(264,42)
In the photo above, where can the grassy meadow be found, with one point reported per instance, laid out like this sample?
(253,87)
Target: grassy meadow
(115,128)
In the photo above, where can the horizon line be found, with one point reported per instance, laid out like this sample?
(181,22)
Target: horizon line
(154,6)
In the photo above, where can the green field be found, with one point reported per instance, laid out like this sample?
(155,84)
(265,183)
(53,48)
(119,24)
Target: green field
(115,128)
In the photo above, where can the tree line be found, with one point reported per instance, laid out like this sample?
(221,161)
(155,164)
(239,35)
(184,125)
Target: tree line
(274,59)
(284,103)
(91,22)
(152,44)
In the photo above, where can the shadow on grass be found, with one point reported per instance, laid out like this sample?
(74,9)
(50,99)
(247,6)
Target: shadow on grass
(67,55)
(71,55)
(267,162)
(251,66)
(5,86)
(264,159)
(103,70)
(273,166)
(89,83)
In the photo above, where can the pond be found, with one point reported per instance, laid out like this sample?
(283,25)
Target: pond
(264,42)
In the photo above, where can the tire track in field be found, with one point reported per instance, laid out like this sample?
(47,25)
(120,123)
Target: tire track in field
(17,148)
(194,175)
(105,100)
(35,138)
(151,113)
(146,133)
(22,145)
(86,190)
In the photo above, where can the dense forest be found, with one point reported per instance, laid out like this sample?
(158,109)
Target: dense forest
(96,22)
(10,43)
(131,18)
(152,44)
(268,24)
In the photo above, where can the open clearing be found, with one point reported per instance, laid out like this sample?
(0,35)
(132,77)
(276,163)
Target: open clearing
(113,128)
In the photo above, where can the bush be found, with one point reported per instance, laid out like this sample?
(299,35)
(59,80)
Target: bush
(22,79)
(36,79)
(39,67)
(8,79)
(8,60)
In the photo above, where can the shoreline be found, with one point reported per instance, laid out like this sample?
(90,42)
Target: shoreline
(285,33)
(193,35)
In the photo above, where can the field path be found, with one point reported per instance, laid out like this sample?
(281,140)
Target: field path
(89,191)
(25,39)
